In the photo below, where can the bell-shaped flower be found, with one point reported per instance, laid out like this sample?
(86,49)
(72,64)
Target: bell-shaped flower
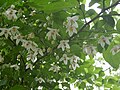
(54,68)
(29,65)
(64,44)
(71,21)
(1,59)
(115,49)
(11,13)
(5,31)
(89,49)
(73,60)
(71,30)
(15,66)
(52,33)
(40,80)
(104,40)
(14,30)
(18,38)
(64,58)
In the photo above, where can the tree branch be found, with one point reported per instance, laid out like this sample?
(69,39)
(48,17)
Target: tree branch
(96,17)
(81,29)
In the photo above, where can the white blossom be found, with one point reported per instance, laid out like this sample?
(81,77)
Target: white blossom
(73,60)
(104,40)
(115,49)
(71,25)
(40,80)
(15,66)
(29,65)
(5,31)
(1,59)
(52,33)
(18,38)
(54,68)
(11,13)
(71,30)
(89,49)
(14,30)
(72,21)
(64,44)
(64,58)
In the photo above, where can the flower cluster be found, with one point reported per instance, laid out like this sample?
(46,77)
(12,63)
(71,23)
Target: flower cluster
(73,61)
(115,49)
(30,46)
(104,40)
(11,13)
(71,25)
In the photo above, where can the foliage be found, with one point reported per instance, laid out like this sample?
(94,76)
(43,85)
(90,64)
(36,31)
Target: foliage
(53,43)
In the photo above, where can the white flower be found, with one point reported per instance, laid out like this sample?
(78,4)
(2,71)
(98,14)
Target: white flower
(14,30)
(115,49)
(31,56)
(18,38)
(104,40)
(29,65)
(71,25)
(11,13)
(72,21)
(71,30)
(89,50)
(40,80)
(52,33)
(40,52)
(26,44)
(15,66)
(64,44)
(74,59)
(54,68)
(5,31)
(64,58)
(1,59)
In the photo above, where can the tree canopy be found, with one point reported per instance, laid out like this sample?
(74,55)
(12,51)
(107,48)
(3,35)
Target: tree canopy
(51,44)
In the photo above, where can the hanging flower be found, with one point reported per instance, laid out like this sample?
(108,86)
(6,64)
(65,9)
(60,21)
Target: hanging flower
(104,40)
(40,80)
(11,13)
(29,65)
(5,31)
(52,33)
(89,50)
(15,66)
(115,49)
(14,30)
(64,58)
(64,44)
(73,60)
(71,21)
(18,38)
(1,59)
(71,25)
(54,68)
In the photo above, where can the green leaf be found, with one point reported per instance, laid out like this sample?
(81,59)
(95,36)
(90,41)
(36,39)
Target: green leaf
(75,49)
(118,25)
(18,87)
(113,60)
(93,2)
(3,82)
(56,6)
(109,20)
